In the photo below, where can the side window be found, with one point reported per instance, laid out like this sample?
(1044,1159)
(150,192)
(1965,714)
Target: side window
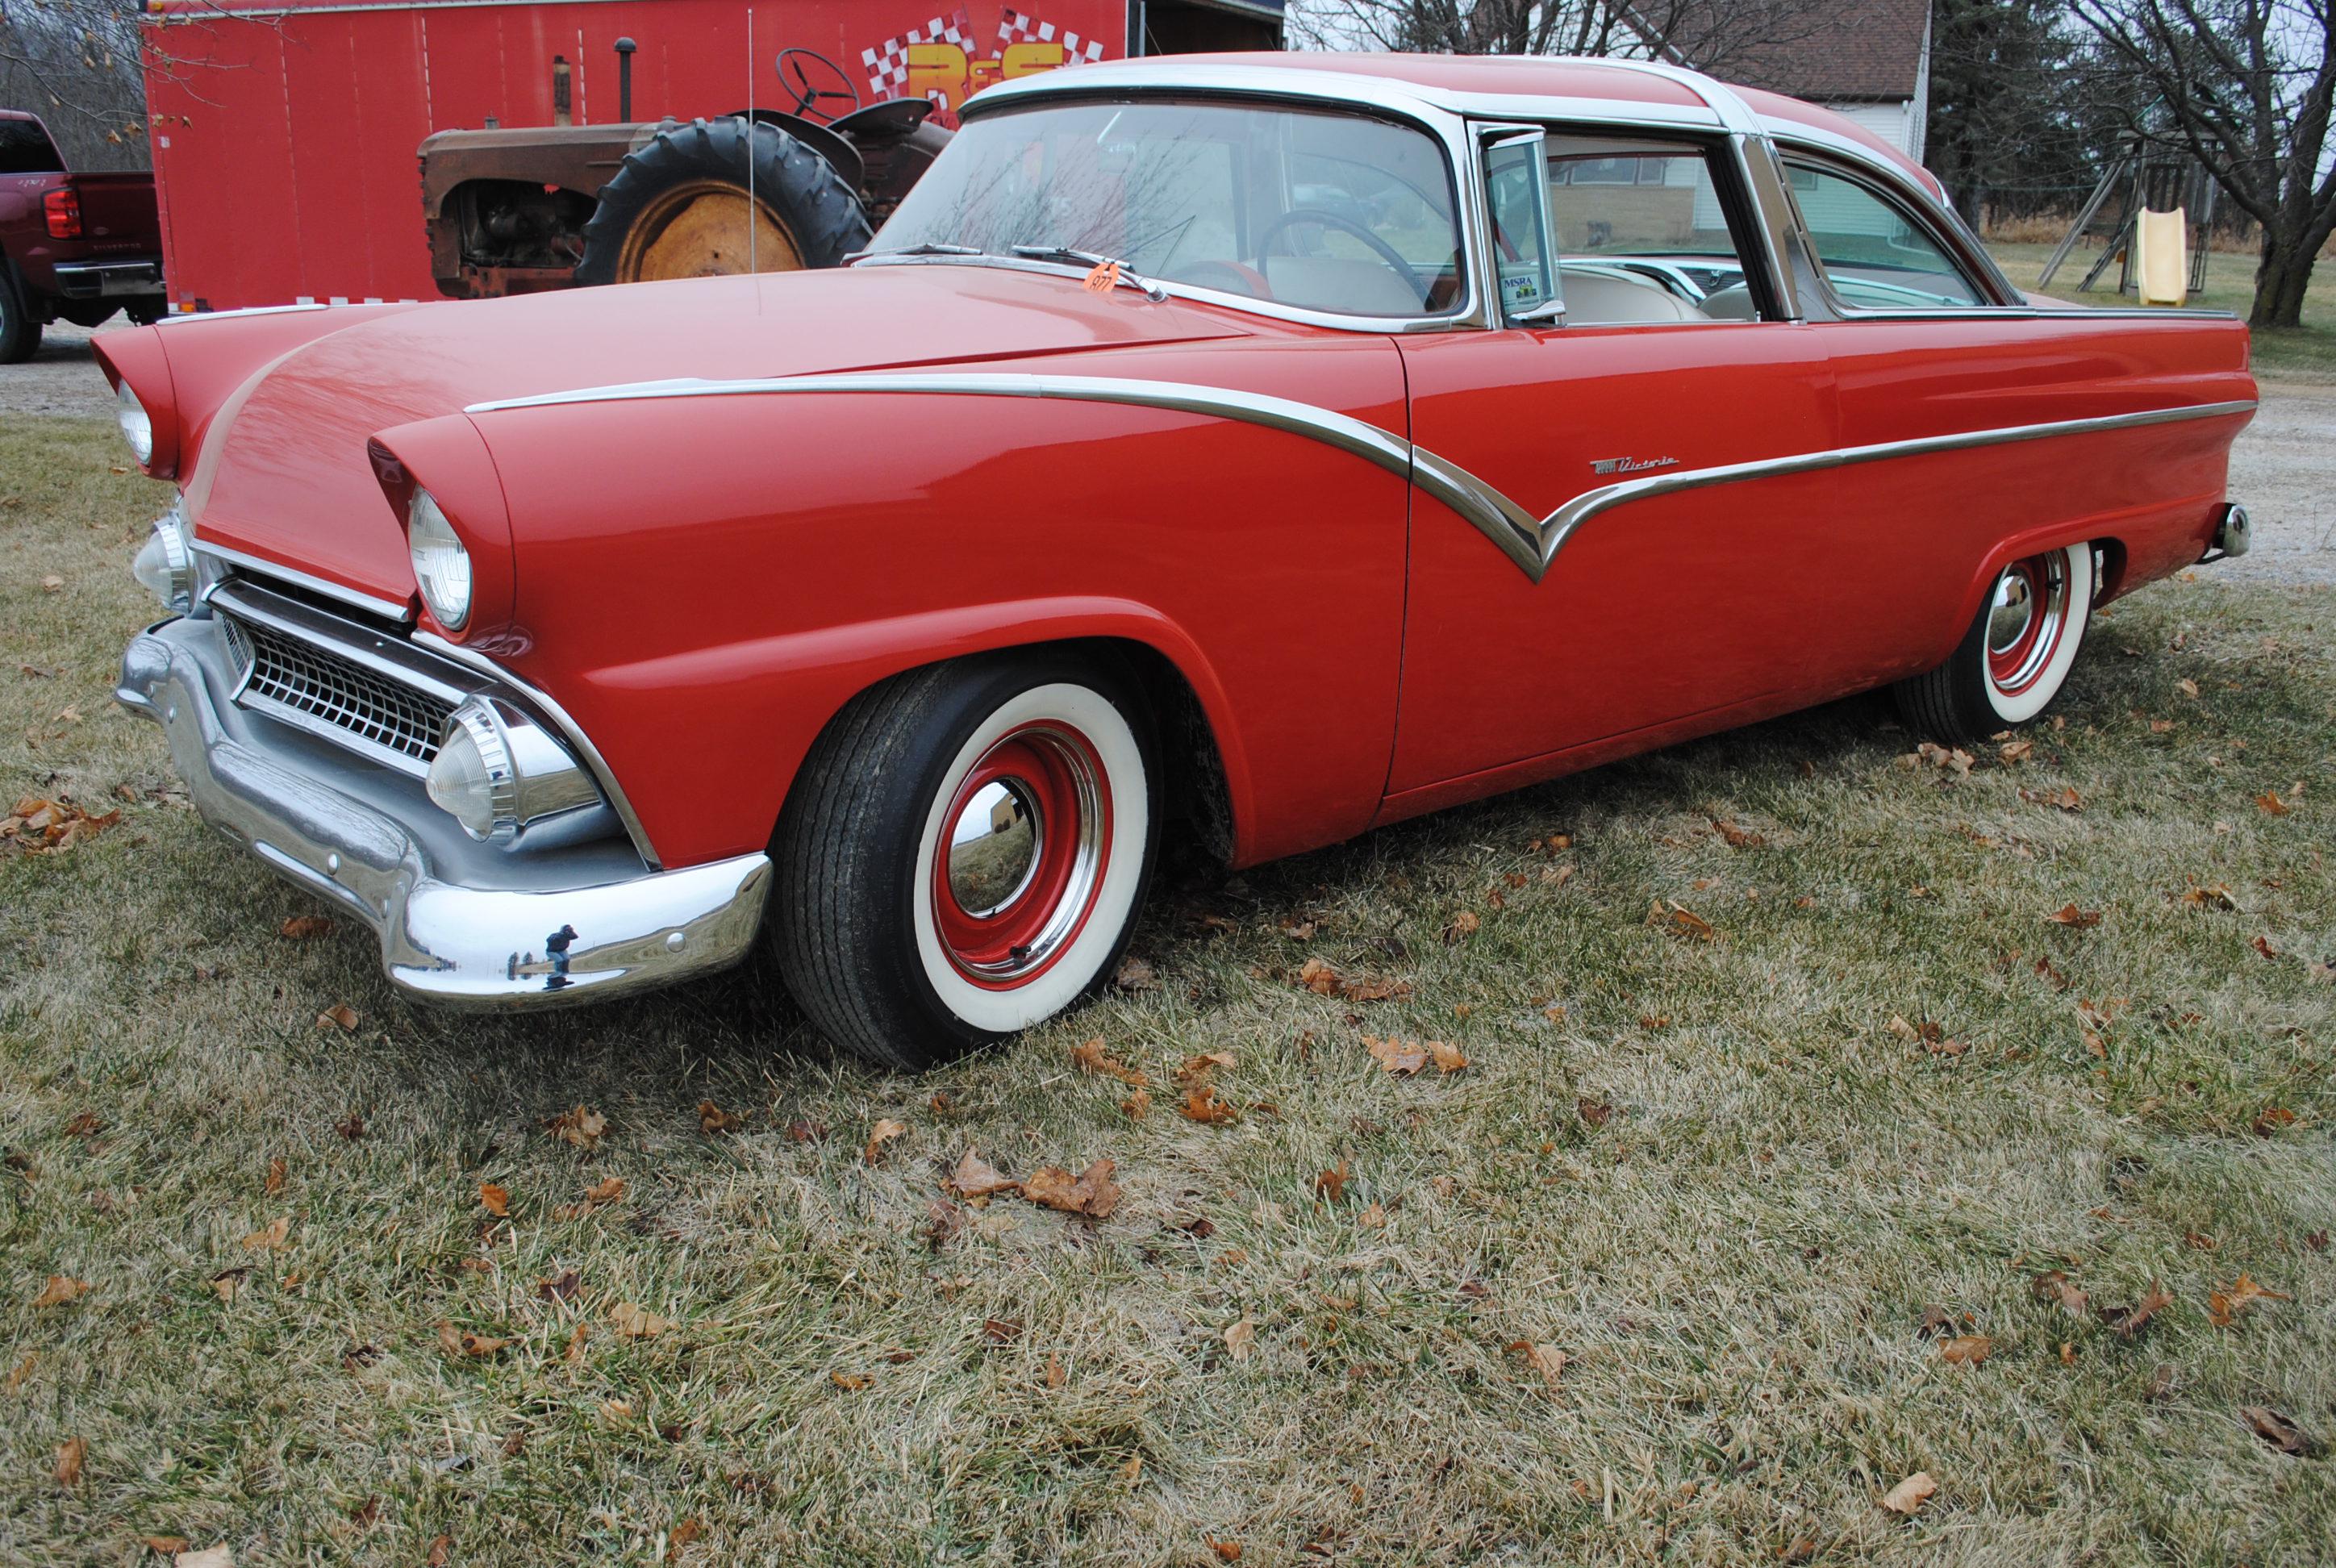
(1643,236)
(1875,255)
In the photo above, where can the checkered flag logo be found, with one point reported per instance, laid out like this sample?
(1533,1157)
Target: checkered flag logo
(887,65)
(1019,28)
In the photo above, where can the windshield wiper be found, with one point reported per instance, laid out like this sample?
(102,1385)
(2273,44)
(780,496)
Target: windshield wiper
(1127,275)
(923,247)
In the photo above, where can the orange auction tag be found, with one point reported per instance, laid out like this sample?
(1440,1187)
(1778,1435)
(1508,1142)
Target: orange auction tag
(1103,278)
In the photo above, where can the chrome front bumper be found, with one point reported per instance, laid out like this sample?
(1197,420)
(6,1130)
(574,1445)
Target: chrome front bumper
(461,923)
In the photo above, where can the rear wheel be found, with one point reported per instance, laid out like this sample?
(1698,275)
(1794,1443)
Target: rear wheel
(680,208)
(965,852)
(2017,654)
(20,329)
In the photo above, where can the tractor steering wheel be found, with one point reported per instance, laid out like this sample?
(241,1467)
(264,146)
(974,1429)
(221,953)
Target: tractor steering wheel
(795,74)
(1379,247)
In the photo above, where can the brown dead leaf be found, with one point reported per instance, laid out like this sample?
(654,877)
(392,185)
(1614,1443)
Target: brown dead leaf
(51,583)
(18,1373)
(1240,1340)
(340,1016)
(1547,1359)
(1091,1057)
(351,1126)
(495,1200)
(1332,1184)
(2065,798)
(1202,1104)
(574,1355)
(300,928)
(1910,1494)
(2014,752)
(277,1173)
(580,1127)
(1227,1551)
(2128,1321)
(1966,1349)
(462,1342)
(943,1219)
(2226,1305)
(1447,1057)
(609,1189)
(1137,1103)
(713,1119)
(1680,921)
(2269,805)
(1463,926)
(1093,1193)
(2069,915)
(974,1177)
(272,1238)
(70,1454)
(850,1382)
(685,1532)
(167,1545)
(1198,1069)
(2274,1119)
(885,1130)
(561,1287)
(636,1322)
(59,1291)
(1134,975)
(2059,1289)
(439,1550)
(1400,1058)
(1738,838)
(2275,1429)
(1596,1113)
(228,1282)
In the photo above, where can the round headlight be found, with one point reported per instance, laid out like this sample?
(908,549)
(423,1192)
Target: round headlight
(165,564)
(137,428)
(471,778)
(442,567)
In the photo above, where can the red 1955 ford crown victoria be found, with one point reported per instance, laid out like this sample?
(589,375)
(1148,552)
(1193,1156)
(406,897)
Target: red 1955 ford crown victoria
(1275,445)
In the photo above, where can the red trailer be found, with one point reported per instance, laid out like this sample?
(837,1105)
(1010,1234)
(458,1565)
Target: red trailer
(285,138)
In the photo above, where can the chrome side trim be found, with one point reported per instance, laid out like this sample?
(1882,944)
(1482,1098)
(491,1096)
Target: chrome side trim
(1722,100)
(390,609)
(570,731)
(1561,524)
(176,317)
(1532,543)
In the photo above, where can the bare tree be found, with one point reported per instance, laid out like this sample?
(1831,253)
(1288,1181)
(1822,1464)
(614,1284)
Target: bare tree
(1708,34)
(76,63)
(2245,86)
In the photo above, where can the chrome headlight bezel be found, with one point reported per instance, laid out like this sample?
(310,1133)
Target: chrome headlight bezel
(136,425)
(528,783)
(442,561)
(165,563)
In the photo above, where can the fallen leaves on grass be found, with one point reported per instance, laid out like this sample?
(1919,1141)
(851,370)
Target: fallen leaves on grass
(562,1288)
(943,1219)
(2059,1289)
(1910,1494)
(18,1373)
(580,1125)
(351,1126)
(70,1454)
(885,1130)
(1226,1551)
(2075,919)
(60,1290)
(2269,805)
(2065,798)
(1092,1193)
(1680,921)
(635,1322)
(495,1200)
(167,1545)
(462,1342)
(228,1282)
(1400,1058)
(1240,1340)
(1134,975)
(271,1238)
(2128,1321)
(208,1557)
(974,1177)
(2014,752)
(1137,1103)
(40,826)
(1944,759)
(1332,1184)
(1966,1349)
(850,1382)
(1594,1113)
(341,1016)
(1202,1104)
(2274,1119)
(1735,837)
(1324,981)
(600,1194)
(301,928)
(1547,1359)
(2276,1429)
(1462,926)
(1091,1057)
(2226,1306)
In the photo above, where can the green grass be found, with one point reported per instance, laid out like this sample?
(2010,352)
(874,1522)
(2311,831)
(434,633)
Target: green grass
(2306,353)
(1736,1259)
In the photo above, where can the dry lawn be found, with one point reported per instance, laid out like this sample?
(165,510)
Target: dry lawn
(1729,1226)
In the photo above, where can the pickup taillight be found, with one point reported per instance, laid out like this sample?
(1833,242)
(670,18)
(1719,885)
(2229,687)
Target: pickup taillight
(62,207)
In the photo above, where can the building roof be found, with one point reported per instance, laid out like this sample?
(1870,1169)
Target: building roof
(1828,51)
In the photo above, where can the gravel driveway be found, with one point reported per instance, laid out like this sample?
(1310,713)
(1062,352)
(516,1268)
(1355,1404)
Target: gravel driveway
(2283,466)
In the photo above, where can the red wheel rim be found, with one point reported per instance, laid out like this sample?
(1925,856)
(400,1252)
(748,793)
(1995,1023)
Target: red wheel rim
(2028,616)
(1024,837)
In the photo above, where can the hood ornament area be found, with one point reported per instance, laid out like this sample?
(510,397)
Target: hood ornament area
(1629,465)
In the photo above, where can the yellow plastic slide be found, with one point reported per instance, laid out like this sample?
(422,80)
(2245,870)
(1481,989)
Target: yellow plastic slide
(2161,246)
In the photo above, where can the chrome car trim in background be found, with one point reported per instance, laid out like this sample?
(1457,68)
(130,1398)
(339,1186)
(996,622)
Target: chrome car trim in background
(570,731)
(1531,542)
(390,610)
(178,315)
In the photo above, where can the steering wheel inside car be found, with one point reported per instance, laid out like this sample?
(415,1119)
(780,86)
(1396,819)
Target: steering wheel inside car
(1379,247)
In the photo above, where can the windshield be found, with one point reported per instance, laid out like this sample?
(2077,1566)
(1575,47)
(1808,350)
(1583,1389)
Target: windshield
(1326,210)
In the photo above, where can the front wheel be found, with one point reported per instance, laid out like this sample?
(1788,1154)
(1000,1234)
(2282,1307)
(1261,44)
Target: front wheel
(2017,654)
(965,852)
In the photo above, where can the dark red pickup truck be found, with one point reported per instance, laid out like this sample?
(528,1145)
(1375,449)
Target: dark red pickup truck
(72,247)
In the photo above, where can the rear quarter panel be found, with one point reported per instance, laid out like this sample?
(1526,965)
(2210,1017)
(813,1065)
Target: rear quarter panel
(705,581)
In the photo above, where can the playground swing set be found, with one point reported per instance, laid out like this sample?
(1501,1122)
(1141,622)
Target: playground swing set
(2163,214)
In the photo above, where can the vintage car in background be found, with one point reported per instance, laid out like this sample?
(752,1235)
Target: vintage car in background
(1264,448)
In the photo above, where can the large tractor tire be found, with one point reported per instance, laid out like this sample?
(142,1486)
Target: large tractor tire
(678,207)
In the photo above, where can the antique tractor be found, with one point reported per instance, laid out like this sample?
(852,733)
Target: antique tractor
(518,209)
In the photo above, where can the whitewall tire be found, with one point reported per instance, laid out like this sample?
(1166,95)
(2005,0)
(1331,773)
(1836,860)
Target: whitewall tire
(2015,658)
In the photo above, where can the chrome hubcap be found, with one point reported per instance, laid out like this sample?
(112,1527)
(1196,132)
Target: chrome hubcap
(2027,619)
(992,847)
(2015,608)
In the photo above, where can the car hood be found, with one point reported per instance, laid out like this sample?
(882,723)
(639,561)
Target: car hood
(283,474)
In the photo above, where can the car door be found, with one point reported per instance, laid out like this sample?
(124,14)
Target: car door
(1665,606)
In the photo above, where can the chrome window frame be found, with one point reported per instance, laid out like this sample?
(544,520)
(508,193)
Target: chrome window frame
(1314,90)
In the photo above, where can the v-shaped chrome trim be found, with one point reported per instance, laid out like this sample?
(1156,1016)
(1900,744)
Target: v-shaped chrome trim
(1531,542)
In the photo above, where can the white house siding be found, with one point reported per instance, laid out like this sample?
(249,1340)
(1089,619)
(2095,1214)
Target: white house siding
(1900,124)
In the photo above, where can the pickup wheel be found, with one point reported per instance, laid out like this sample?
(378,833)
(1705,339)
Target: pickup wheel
(965,852)
(20,329)
(2016,656)
(678,207)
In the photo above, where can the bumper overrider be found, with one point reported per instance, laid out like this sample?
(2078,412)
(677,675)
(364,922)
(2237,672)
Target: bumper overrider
(460,922)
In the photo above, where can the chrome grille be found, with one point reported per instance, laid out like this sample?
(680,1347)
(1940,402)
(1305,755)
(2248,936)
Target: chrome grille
(312,683)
